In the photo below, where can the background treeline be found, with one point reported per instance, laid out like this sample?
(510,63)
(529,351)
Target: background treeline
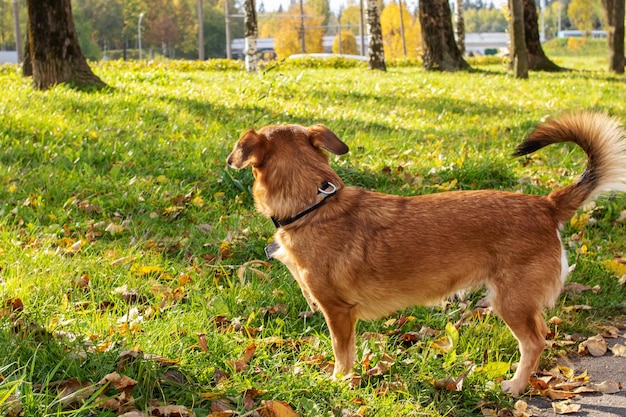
(170,27)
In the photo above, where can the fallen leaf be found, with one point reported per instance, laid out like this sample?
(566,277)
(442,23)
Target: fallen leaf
(619,350)
(272,408)
(114,229)
(565,407)
(134,413)
(576,288)
(615,267)
(493,370)
(147,270)
(610,332)
(577,307)
(169,411)
(202,342)
(521,409)
(383,366)
(119,382)
(607,387)
(249,266)
(595,346)
(579,220)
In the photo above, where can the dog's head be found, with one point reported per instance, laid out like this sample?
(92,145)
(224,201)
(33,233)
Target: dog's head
(288,165)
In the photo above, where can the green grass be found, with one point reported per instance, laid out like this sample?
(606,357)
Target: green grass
(128,187)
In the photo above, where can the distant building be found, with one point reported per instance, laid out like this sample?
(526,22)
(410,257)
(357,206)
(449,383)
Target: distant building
(475,43)
(580,34)
(486,43)
(8,57)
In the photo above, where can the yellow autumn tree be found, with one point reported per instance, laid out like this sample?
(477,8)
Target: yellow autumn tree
(351,17)
(268,26)
(392,33)
(288,40)
(582,13)
(348,44)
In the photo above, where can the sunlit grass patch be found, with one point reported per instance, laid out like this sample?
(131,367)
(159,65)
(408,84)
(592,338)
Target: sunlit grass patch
(122,230)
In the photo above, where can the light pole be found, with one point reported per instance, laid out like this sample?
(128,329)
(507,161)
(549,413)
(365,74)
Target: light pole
(139,34)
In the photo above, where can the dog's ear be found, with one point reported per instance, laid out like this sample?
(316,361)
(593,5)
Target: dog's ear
(322,137)
(250,150)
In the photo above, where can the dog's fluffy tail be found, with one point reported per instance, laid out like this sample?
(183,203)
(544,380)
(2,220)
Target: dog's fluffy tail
(602,139)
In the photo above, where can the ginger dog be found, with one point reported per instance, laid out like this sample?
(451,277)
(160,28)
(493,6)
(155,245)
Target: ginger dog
(358,254)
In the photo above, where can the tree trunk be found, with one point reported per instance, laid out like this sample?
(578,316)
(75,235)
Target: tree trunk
(615,34)
(55,54)
(519,57)
(376,52)
(617,54)
(459,26)
(537,59)
(251,32)
(27,67)
(440,49)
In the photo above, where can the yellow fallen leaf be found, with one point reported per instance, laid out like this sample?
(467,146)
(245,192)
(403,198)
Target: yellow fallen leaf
(148,270)
(615,267)
(443,344)
(579,220)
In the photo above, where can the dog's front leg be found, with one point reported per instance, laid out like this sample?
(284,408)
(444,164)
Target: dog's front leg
(341,322)
(306,292)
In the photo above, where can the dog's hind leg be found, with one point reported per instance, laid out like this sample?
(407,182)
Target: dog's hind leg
(525,320)
(341,321)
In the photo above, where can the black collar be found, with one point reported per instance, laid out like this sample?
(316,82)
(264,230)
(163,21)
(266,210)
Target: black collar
(326,190)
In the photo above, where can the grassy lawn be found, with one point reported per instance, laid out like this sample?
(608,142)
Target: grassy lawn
(126,242)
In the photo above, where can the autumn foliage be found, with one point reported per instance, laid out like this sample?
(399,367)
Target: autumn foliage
(288,40)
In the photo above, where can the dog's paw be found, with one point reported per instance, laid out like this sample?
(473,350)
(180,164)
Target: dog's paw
(513,387)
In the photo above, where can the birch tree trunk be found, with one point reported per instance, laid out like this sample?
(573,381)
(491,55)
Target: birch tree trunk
(459,26)
(54,53)
(251,32)
(519,56)
(440,49)
(376,52)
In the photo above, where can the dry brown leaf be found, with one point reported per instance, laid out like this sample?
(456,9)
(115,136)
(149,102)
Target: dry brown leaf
(610,332)
(384,364)
(248,266)
(577,307)
(11,407)
(450,384)
(576,288)
(169,411)
(222,407)
(202,342)
(119,382)
(134,413)
(274,408)
(242,364)
(565,407)
(595,346)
